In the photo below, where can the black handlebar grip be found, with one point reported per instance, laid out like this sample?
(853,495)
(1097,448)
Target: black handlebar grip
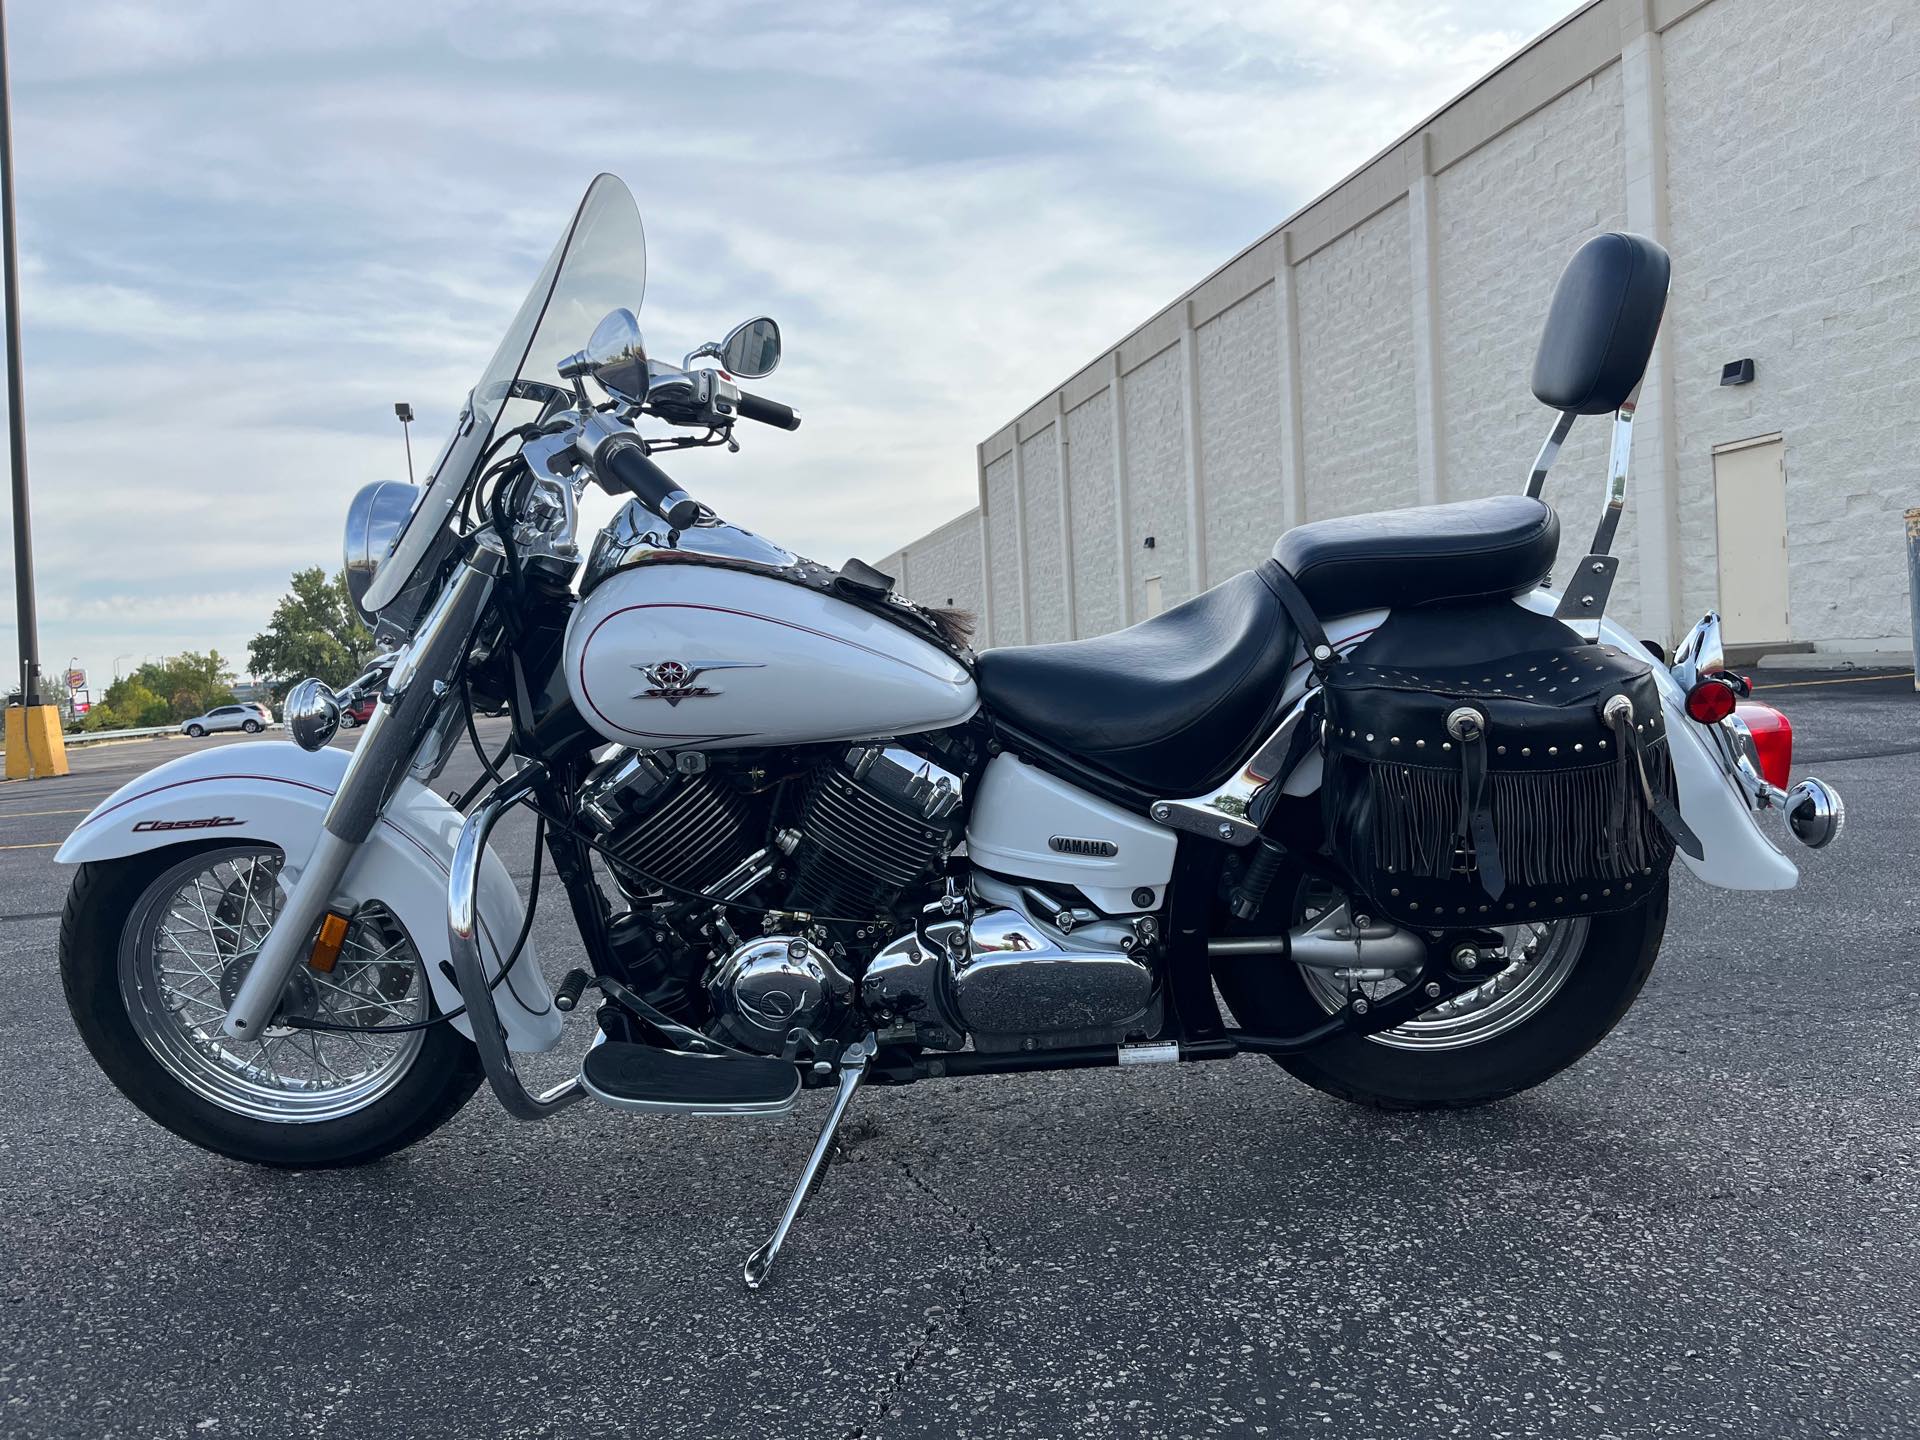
(767,412)
(624,465)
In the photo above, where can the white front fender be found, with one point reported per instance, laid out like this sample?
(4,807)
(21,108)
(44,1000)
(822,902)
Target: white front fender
(277,793)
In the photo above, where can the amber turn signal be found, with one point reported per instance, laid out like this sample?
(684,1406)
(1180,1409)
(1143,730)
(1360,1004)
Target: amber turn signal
(326,945)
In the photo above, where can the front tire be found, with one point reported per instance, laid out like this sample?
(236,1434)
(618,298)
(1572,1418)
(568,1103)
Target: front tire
(196,731)
(148,947)
(1440,1063)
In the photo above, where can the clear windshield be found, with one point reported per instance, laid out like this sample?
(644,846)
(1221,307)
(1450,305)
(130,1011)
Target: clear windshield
(599,265)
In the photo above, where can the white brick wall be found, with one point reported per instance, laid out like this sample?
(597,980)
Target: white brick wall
(1796,241)
(1157,479)
(1239,357)
(1792,208)
(1003,539)
(1046,574)
(1356,367)
(1096,561)
(943,568)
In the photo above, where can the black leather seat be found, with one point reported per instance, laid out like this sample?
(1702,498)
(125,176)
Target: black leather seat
(1166,704)
(1174,703)
(1468,550)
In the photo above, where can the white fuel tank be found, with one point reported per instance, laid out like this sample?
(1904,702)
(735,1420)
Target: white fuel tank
(678,654)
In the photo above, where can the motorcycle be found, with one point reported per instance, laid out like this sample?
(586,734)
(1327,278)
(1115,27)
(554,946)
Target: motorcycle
(1411,812)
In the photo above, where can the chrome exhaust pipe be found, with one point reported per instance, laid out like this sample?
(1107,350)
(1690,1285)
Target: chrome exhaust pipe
(1815,813)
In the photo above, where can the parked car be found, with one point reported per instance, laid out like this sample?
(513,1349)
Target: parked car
(266,710)
(229,717)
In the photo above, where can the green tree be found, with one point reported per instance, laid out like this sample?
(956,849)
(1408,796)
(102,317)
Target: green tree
(314,631)
(163,692)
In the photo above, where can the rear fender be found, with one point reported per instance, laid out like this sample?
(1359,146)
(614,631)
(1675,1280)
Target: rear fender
(277,794)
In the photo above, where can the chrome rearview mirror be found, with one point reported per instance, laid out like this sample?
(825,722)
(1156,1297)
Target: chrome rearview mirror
(749,351)
(615,357)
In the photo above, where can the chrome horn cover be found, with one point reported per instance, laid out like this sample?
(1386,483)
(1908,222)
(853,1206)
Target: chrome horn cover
(312,713)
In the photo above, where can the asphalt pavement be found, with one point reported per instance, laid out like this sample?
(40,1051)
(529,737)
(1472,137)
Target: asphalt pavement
(1709,1227)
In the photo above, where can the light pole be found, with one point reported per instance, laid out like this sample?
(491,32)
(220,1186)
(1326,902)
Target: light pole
(405,413)
(35,746)
(116,663)
(16,404)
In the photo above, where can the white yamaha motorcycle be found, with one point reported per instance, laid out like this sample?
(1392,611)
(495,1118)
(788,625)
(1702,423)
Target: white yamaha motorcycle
(1412,814)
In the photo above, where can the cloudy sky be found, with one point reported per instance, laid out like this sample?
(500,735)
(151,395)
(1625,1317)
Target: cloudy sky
(248,228)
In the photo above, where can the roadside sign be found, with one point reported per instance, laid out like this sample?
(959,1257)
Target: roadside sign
(76,679)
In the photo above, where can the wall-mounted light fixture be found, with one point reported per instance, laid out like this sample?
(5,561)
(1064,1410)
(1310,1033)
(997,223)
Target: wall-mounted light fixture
(1737,372)
(1147,543)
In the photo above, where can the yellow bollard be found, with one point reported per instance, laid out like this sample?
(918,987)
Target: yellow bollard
(36,748)
(19,765)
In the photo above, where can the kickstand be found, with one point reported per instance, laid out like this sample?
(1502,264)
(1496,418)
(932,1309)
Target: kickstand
(853,1069)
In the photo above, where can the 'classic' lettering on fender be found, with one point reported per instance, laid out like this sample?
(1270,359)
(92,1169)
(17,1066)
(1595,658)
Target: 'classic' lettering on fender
(212,822)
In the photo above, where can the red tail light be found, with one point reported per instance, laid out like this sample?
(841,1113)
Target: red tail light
(1772,740)
(1711,700)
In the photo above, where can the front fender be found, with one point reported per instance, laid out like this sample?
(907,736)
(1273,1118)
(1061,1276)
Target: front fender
(278,794)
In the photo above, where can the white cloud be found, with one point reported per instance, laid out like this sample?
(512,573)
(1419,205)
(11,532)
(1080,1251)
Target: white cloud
(248,229)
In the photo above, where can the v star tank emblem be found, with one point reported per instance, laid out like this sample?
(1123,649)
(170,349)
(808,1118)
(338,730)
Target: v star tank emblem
(673,680)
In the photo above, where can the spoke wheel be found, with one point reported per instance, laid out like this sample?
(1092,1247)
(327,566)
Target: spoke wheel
(1538,959)
(194,932)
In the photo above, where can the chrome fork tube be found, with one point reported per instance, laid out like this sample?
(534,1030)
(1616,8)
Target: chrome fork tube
(415,691)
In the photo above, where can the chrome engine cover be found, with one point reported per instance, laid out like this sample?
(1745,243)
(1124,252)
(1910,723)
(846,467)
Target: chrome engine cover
(766,989)
(1012,980)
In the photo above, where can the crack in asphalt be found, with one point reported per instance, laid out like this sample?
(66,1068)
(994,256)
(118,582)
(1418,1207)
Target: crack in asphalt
(973,1277)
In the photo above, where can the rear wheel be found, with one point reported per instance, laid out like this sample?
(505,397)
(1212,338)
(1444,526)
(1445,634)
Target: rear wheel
(152,950)
(1553,995)
(252,727)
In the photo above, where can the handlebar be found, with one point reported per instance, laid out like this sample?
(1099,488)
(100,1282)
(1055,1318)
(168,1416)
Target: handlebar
(622,465)
(767,412)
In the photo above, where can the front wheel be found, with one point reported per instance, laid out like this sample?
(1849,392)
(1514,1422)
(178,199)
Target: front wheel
(196,731)
(1554,995)
(152,951)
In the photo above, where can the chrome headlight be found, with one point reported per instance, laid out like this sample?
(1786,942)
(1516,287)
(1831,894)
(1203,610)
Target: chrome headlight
(375,520)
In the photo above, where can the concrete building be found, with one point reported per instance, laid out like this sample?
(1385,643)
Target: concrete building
(1373,350)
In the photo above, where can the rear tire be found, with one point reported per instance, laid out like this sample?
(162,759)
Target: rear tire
(252,727)
(110,896)
(1615,957)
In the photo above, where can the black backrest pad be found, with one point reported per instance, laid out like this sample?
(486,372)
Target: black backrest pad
(1600,328)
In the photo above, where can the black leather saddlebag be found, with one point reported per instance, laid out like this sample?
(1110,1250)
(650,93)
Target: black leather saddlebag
(1484,766)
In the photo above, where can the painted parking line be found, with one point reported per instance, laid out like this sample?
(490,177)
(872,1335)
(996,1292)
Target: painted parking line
(36,814)
(1843,680)
(37,845)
